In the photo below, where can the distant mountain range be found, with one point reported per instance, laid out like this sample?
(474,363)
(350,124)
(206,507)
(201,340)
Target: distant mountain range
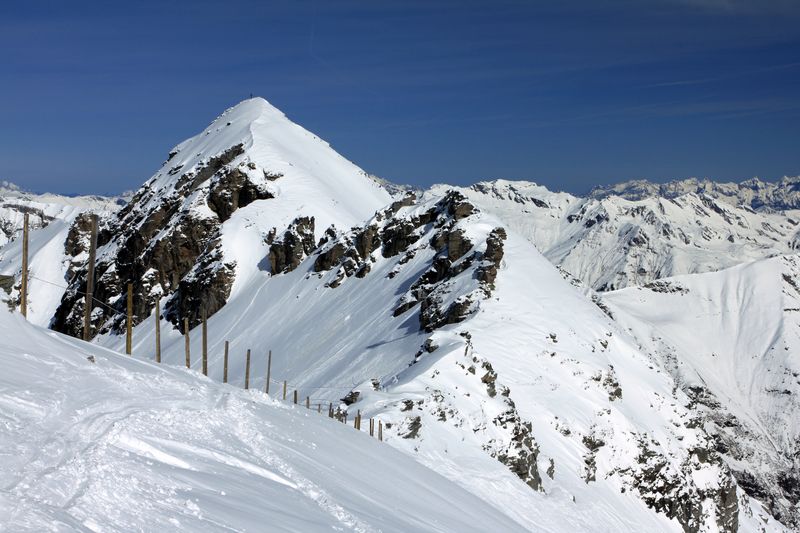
(753,193)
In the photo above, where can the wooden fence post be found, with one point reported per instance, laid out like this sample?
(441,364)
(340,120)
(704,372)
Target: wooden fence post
(247,371)
(295,396)
(129,322)
(205,344)
(319,408)
(284,389)
(330,410)
(269,372)
(186,342)
(158,330)
(23,304)
(225,364)
(308,402)
(371,427)
(357,420)
(87,308)
(380,430)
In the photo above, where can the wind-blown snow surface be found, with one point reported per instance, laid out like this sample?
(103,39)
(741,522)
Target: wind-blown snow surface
(732,340)
(115,444)
(611,242)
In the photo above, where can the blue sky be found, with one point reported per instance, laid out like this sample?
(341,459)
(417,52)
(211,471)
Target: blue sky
(570,94)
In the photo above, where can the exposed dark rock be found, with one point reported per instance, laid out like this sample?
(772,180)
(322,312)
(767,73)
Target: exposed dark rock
(433,315)
(398,236)
(414,425)
(367,241)
(522,454)
(234,190)
(492,258)
(457,245)
(330,257)
(351,397)
(189,181)
(489,379)
(297,243)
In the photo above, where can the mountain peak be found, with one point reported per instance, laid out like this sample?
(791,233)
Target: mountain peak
(249,111)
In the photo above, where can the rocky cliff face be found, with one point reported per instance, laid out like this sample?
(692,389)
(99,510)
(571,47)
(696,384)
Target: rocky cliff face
(179,236)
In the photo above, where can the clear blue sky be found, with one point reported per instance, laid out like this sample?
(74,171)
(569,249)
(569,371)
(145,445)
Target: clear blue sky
(570,94)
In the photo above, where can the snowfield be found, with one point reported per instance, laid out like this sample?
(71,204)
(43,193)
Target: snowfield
(92,440)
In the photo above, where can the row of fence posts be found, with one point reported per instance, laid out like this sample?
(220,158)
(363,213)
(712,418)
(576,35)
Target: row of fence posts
(337,414)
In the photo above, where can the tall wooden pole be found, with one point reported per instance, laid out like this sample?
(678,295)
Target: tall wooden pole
(269,371)
(380,430)
(23,304)
(158,330)
(129,322)
(205,345)
(186,342)
(225,364)
(295,396)
(284,389)
(247,371)
(89,304)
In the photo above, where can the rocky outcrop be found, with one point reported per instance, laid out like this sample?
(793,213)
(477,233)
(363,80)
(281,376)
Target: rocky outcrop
(297,242)
(234,190)
(671,491)
(165,243)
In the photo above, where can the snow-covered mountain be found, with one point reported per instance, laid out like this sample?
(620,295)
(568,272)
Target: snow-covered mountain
(731,340)
(754,193)
(44,208)
(96,441)
(456,317)
(50,217)
(612,242)
(197,230)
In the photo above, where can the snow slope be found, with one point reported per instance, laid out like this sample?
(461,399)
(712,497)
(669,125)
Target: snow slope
(732,341)
(612,242)
(95,441)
